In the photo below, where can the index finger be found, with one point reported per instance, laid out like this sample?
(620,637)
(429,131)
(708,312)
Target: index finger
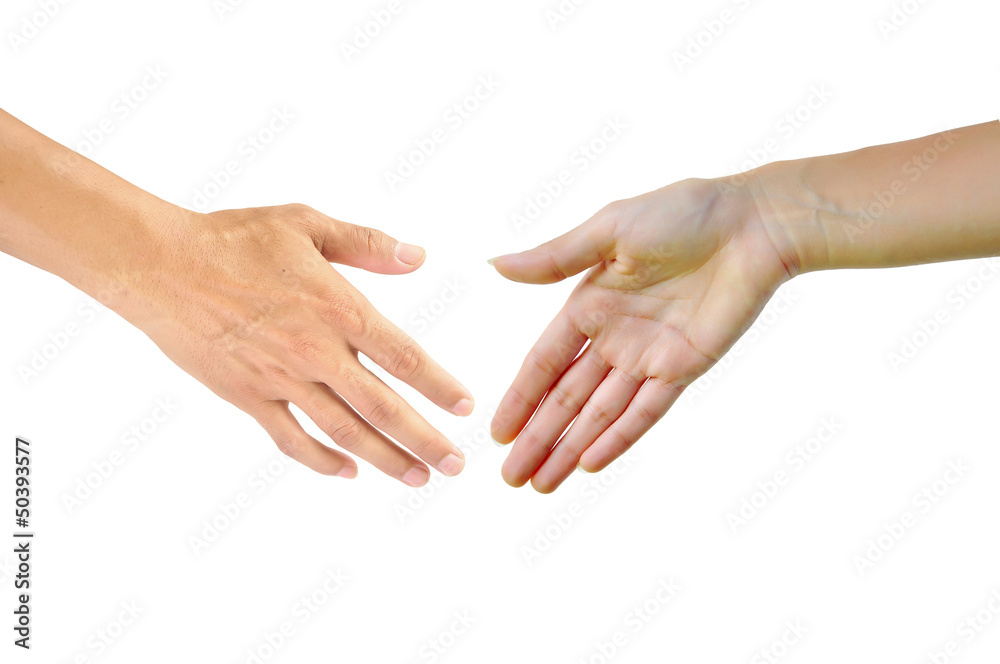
(554,351)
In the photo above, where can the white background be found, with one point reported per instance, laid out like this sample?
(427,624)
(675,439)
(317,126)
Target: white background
(462,548)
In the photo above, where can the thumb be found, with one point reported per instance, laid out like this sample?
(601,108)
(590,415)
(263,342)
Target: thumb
(368,249)
(571,253)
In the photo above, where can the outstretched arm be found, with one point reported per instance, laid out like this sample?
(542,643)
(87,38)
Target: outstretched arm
(677,275)
(246,301)
(930,199)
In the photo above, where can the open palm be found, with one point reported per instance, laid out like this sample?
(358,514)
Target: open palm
(676,277)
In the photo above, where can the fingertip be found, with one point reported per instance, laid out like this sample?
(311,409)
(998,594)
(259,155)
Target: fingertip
(464,407)
(451,465)
(543,487)
(410,255)
(513,481)
(589,465)
(503,266)
(416,477)
(493,261)
(348,471)
(511,477)
(498,435)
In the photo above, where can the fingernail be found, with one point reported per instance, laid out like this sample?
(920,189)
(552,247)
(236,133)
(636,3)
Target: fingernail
(497,442)
(490,260)
(463,408)
(348,472)
(580,468)
(416,476)
(451,465)
(409,253)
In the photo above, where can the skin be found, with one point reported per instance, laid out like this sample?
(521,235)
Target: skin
(676,276)
(246,301)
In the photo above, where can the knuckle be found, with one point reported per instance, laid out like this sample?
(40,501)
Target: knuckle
(598,414)
(244,394)
(645,416)
(621,443)
(299,211)
(383,412)
(513,402)
(305,347)
(612,215)
(369,239)
(543,364)
(531,440)
(565,400)
(406,361)
(274,373)
(630,381)
(424,447)
(341,311)
(612,210)
(291,446)
(307,219)
(346,432)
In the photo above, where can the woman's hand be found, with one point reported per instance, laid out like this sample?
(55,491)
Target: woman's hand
(677,275)
(246,301)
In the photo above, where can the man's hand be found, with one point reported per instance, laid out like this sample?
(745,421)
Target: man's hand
(677,275)
(246,301)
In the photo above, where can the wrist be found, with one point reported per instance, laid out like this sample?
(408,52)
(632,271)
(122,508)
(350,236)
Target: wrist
(118,264)
(789,213)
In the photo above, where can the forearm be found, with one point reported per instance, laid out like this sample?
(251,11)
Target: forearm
(930,199)
(65,214)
